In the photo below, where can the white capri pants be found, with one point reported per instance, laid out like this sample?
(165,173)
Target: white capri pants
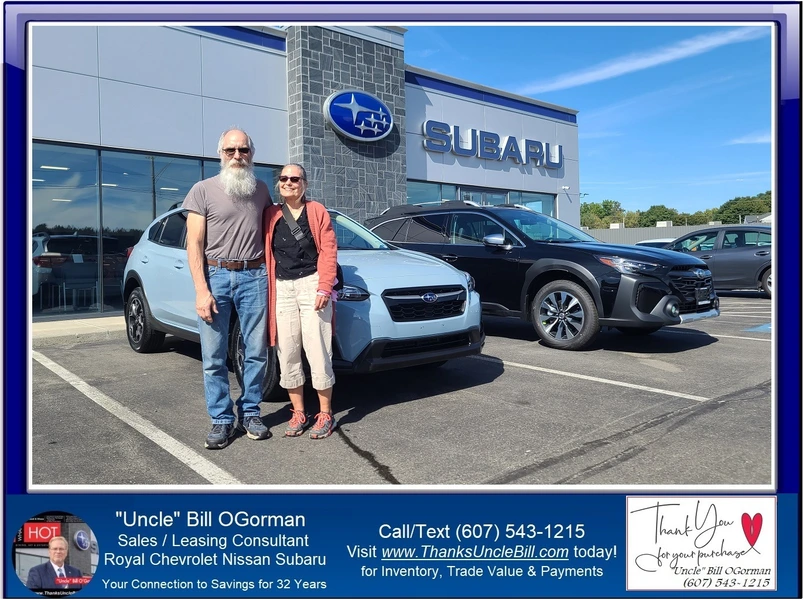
(299,325)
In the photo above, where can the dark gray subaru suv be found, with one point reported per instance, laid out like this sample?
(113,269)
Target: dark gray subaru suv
(567,283)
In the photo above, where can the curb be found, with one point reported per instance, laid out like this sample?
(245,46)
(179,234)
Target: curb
(78,338)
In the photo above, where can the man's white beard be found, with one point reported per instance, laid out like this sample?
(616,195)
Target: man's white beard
(238,182)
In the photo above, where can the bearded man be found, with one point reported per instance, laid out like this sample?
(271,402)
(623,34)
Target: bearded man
(226,253)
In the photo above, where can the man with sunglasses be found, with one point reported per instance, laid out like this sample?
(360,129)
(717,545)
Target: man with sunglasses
(226,254)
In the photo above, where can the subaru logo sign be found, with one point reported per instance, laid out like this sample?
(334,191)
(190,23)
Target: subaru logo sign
(358,115)
(430,298)
(81,540)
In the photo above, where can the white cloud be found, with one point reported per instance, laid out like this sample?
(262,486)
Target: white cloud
(753,138)
(651,58)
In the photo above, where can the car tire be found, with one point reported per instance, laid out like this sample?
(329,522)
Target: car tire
(564,316)
(236,356)
(142,337)
(766,282)
(638,330)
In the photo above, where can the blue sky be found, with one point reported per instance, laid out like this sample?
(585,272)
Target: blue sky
(673,115)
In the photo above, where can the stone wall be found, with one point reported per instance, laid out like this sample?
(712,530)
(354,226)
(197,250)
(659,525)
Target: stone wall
(360,179)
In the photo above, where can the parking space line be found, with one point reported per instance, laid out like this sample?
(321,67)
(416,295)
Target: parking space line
(632,386)
(205,468)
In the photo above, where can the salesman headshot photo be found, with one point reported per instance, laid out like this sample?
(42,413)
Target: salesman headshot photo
(46,575)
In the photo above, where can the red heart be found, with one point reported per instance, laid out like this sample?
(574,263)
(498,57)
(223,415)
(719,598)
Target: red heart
(752,527)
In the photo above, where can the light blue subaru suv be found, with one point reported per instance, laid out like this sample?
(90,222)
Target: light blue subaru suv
(398,308)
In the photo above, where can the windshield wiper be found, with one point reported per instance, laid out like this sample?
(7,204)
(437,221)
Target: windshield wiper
(558,241)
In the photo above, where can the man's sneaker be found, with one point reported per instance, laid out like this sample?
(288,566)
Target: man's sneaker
(298,423)
(220,435)
(324,426)
(255,428)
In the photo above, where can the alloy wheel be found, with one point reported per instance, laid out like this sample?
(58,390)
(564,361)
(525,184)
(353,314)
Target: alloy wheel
(136,320)
(561,315)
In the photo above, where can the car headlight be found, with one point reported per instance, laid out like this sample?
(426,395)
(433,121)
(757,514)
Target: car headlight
(352,293)
(469,281)
(627,265)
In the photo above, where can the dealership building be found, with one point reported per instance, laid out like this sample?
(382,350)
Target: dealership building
(125,119)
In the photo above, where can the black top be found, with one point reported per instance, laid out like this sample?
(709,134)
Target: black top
(292,262)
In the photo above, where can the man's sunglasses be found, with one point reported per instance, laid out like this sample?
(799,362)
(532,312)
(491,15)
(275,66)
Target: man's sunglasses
(293,179)
(231,151)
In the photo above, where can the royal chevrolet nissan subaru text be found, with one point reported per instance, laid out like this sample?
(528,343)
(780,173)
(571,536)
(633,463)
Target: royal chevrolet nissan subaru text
(567,283)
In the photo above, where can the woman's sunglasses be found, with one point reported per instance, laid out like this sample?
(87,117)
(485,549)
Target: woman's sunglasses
(293,179)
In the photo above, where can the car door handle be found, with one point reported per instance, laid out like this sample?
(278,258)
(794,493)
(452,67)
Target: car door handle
(705,256)
(762,253)
(449,257)
(178,265)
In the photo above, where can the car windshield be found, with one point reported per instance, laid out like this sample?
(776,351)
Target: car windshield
(353,236)
(541,228)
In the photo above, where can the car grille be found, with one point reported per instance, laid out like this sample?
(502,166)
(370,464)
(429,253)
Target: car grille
(427,344)
(687,283)
(407,304)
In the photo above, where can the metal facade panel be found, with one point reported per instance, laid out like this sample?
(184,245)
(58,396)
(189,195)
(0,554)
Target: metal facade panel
(65,106)
(144,118)
(267,128)
(236,73)
(157,57)
(66,48)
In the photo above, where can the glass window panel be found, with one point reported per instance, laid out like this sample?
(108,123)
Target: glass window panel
(173,178)
(173,231)
(127,196)
(387,231)
(419,192)
(448,192)
(428,229)
(65,203)
(543,203)
(211,167)
(269,175)
(468,228)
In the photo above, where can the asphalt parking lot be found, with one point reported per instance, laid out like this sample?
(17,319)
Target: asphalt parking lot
(688,405)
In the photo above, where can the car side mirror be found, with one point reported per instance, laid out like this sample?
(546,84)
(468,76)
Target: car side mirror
(497,240)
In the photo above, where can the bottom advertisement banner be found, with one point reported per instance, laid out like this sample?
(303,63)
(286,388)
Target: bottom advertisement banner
(402,545)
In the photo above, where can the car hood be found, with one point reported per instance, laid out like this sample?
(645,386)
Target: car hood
(378,270)
(642,253)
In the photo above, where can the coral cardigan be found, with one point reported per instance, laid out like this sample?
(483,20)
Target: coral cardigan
(325,241)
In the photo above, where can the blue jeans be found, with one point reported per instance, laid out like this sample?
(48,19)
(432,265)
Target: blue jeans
(246,292)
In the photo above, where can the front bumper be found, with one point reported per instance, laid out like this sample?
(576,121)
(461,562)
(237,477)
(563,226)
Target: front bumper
(385,354)
(646,302)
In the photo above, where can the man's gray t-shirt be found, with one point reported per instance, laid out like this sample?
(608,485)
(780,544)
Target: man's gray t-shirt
(233,226)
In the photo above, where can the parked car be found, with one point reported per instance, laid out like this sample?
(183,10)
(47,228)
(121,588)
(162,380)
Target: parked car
(656,243)
(396,309)
(71,261)
(739,256)
(567,283)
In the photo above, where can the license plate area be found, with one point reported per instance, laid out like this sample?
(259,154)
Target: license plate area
(703,295)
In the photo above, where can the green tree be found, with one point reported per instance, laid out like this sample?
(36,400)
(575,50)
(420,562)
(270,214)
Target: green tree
(657,212)
(632,218)
(734,211)
(591,215)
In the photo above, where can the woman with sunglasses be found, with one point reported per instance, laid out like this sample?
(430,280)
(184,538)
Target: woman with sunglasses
(302,266)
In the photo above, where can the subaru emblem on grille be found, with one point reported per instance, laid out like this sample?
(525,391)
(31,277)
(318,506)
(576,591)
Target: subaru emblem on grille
(699,273)
(429,297)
